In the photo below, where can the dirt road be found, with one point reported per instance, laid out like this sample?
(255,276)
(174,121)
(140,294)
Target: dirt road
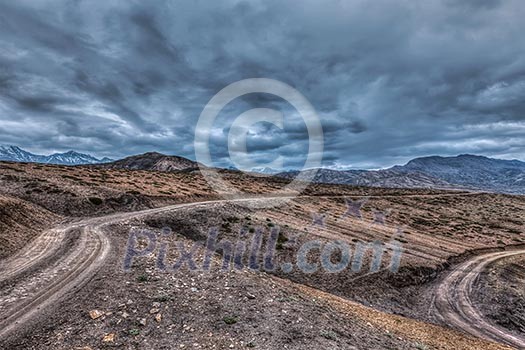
(453,302)
(61,261)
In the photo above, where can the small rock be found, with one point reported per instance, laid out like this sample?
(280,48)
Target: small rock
(143,321)
(94,314)
(154,311)
(109,338)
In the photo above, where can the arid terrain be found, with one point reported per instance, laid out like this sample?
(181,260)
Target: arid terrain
(65,233)
(271,175)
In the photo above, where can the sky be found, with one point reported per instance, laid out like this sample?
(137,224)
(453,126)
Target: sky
(389,80)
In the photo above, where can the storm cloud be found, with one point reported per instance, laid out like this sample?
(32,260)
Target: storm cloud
(390,80)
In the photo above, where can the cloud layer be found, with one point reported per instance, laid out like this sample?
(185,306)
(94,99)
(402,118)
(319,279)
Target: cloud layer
(389,80)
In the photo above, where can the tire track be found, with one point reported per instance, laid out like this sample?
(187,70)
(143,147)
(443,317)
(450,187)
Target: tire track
(94,247)
(75,268)
(68,273)
(453,303)
(44,246)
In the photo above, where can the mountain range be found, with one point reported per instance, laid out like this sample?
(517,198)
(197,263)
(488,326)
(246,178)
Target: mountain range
(461,172)
(472,171)
(16,154)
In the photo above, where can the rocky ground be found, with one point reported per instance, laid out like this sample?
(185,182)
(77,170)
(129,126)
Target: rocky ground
(146,308)
(501,293)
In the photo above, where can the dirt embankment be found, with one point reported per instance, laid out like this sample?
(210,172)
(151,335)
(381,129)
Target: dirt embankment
(20,222)
(500,294)
(146,308)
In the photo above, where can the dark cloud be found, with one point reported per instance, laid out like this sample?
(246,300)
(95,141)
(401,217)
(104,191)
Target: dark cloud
(389,80)
(476,4)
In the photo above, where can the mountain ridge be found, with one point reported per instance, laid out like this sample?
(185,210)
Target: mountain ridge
(465,171)
(472,170)
(16,154)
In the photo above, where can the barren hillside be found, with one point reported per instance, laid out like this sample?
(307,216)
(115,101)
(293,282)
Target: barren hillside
(149,308)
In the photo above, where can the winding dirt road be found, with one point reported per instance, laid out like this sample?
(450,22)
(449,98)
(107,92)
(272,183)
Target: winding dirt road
(453,303)
(62,260)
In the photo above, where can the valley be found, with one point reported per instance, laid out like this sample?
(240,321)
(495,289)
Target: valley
(438,229)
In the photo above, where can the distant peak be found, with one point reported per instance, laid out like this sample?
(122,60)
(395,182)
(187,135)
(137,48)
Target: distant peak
(10,147)
(153,153)
(17,154)
(466,155)
(68,153)
(71,152)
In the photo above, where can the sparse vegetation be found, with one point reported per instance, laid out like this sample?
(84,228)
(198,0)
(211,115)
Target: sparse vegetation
(329,335)
(162,298)
(281,240)
(445,226)
(142,278)
(134,332)
(229,320)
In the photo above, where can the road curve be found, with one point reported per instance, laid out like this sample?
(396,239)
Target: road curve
(453,303)
(47,244)
(52,266)
(69,272)
(46,269)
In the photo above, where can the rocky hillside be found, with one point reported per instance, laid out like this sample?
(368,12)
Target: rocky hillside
(153,161)
(381,178)
(472,171)
(463,171)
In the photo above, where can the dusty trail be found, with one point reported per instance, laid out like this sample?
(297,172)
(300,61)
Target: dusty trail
(51,266)
(453,303)
(41,274)
(68,273)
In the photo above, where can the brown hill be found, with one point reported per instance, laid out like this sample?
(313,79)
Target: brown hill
(153,161)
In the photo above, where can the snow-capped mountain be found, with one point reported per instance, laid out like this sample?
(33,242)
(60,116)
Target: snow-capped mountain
(266,171)
(16,154)
(374,178)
